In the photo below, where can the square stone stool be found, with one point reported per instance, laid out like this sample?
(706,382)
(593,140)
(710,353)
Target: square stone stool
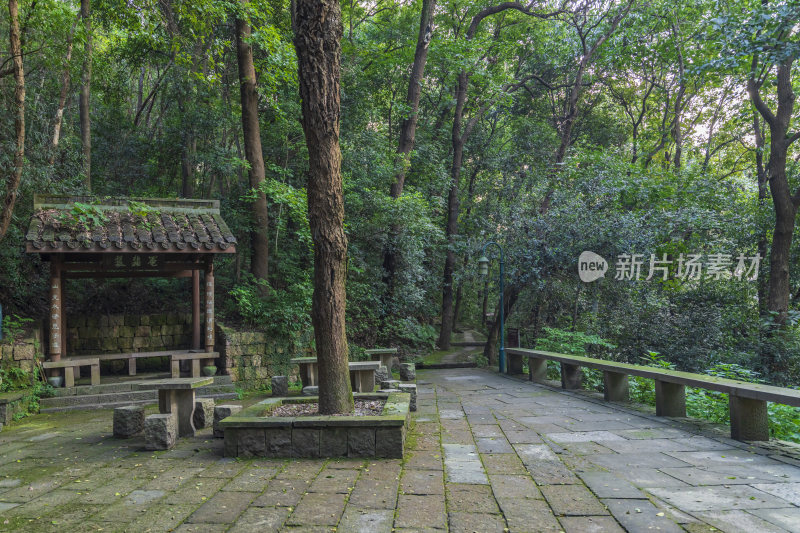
(128,421)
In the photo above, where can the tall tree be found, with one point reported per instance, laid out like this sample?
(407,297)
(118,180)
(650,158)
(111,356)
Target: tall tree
(86,90)
(62,98)
(459,135)
(408,129)
(259,238)
(317,40)
(14,174)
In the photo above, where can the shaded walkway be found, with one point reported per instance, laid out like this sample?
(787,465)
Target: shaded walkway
(486,453)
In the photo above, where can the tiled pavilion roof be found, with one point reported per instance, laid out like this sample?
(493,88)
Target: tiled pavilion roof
(147,225)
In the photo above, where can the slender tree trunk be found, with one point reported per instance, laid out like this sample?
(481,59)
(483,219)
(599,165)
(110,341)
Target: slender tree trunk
(251,131)
(761,176)
(62,98)
(408,130)
(317,40)
(451,229)
(14,174)
(509,300)
(86,83)
(187,165)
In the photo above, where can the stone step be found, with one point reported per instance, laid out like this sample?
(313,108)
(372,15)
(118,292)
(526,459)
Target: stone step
(99,404)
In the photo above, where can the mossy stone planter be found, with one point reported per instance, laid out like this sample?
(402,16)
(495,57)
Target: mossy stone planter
(253,433)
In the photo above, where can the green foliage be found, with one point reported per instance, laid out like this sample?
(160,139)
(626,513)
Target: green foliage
(571,342)
(284,312)
(84,216)
(14,327)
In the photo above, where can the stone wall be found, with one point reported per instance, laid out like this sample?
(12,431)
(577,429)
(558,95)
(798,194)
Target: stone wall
(92,335)
(252,357)
(22,353)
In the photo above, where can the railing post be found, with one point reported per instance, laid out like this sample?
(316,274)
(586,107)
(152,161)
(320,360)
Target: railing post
(615,386)
(571,376)
(670,399)
(749,418)
(537,368)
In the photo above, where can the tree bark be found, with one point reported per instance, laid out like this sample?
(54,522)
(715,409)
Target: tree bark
(13,177)
(86,82)
(251,132)
(786,205)
(62,98)
(317,40)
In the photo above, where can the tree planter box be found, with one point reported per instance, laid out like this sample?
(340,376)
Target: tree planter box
(253,433)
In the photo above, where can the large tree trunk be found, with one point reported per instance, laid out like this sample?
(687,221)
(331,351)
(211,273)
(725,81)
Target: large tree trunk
(451,230)
(761,177)
(317,40)
(408,130)
(251,131)
(15,173)
(785,203)
(86,82)
(62,98)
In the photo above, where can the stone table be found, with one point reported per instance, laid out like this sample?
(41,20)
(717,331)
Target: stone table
(177,396)
(384,355)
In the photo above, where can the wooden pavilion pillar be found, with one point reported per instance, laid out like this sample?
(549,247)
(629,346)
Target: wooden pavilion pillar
(195,309)
(56,312)
(209,304)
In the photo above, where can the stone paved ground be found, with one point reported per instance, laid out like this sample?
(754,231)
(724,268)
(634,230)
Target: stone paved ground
(487,453)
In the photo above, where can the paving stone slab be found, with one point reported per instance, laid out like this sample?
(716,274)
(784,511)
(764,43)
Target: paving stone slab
(590,524)
(424,460)
(282,492)
(514,487)
(584,436)
(640,515)
(222,508)
(365,520)
(320,509)
(260,520)
(502,463)
(788,518)
(252,479)
(718,498)
(528,515)
(471,498)
(722,457)
(787,491)
(493,445)
(607,485)
(463,522)
(375,494)
(738,522)
(334,480)
(487,430)
(420,512)
(572,500)
(422,482)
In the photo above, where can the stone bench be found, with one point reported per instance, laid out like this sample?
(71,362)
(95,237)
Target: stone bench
(128,421)
(194,356)
(384,355)
(72,369)
(747,401)
(131,358)
(362,373)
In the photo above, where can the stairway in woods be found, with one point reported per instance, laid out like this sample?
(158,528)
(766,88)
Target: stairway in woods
(110,395)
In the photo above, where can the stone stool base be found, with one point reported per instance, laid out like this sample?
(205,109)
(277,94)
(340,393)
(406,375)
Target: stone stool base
(203,413)
(221,412)
(160,431)
(128,421)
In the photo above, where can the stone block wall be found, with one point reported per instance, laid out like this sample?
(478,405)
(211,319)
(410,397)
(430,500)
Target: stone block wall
(92,335)
(22,353)
(253,357)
